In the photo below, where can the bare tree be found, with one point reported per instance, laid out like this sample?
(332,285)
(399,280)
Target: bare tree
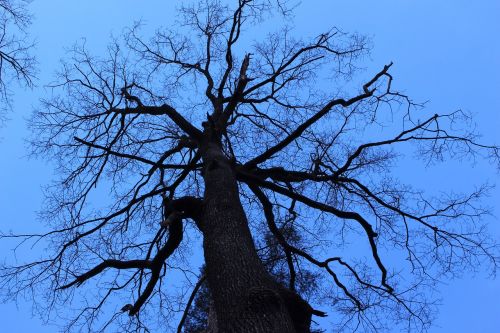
(260,153)
(16,63)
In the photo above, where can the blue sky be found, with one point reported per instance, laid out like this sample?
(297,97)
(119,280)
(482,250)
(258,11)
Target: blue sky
(447,52)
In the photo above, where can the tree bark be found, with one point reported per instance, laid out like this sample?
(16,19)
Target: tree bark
(246,298)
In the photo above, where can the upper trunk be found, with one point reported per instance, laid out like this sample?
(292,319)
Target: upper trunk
(245,296)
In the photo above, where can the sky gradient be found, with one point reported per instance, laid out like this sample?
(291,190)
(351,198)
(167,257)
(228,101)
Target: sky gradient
(446,52)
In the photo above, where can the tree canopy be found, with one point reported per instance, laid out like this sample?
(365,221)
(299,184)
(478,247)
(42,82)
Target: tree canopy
(275,155)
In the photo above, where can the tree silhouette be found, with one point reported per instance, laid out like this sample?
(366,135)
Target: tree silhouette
(16,63)
(259,152)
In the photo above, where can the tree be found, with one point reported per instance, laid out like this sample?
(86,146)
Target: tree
(243,148)
(15,60)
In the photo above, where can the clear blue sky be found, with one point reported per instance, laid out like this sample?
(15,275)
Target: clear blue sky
(447,52)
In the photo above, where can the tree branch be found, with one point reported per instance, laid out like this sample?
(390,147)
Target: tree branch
(165,109)
(109,263)
(190,301)
(268,212)
(174,240)
(371,234)
(305,125)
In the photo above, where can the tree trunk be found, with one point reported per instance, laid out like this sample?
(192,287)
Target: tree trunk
(246,297)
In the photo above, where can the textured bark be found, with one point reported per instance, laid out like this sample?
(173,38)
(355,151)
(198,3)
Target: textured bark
(245,296)
(212,326)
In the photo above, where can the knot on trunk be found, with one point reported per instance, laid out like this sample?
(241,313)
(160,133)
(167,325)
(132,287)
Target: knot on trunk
(299,310)
(177,209)
(261,299)
(172,217)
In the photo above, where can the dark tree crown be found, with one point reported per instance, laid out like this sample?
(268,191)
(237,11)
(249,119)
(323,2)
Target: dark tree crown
(130,129)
